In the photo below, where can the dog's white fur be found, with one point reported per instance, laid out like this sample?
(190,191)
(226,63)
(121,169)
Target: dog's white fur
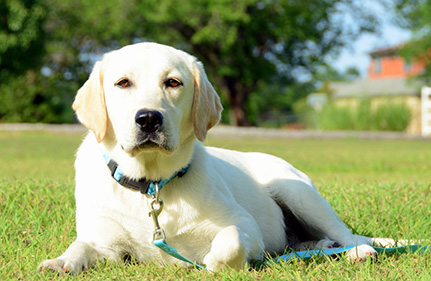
(227,210)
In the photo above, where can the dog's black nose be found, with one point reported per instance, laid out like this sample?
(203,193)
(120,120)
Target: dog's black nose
(149,120)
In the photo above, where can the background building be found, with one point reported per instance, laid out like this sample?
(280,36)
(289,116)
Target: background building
(390,79)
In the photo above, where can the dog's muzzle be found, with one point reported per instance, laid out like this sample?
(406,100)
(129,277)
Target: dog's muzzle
(150,130)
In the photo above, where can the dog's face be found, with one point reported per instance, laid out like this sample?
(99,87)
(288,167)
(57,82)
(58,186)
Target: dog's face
(152,96)
(148,95)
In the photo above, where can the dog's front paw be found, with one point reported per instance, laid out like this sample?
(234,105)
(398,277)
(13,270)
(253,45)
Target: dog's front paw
(361,253)
(62,266)
(223,258)
(227,250)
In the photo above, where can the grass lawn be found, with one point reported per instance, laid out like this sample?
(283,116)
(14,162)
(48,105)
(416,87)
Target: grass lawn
(378,188)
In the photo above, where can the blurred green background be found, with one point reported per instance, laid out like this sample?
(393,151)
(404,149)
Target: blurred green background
(263,57)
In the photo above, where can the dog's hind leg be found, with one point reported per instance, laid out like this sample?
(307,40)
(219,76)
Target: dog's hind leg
(312,211)
(320,220)
(316,245)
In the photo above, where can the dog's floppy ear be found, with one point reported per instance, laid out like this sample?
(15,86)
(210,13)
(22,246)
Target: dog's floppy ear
(206,103)
(89,104)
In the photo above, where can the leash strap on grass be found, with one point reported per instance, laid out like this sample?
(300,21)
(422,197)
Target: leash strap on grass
(335,251)
(165,247)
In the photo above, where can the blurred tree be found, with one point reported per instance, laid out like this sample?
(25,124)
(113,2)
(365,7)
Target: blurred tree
(326,73)
(416,15)
(271,104)
(46,54)
(251,48)
(23,97)
(21,36)
(244,43)
(80,31)
(351,73)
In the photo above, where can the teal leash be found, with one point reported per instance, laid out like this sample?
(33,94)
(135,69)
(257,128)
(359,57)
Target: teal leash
(159,240)
(159,237)
(165,247)
(335,251)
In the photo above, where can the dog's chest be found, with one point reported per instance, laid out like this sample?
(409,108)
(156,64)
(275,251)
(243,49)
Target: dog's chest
(183,226)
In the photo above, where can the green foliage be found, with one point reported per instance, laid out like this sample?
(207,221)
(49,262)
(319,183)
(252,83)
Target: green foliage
(392,117)
(336,118)
(416,16)
(270,103)
(378,187)
(22,36)
(244,44)
(326,73)
(26,95)
(38,101)
(386,117)
(365,118)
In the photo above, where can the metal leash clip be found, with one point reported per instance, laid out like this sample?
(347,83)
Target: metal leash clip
(159,237)
(156,206)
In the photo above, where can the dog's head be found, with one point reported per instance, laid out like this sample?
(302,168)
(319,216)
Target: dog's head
(148,97)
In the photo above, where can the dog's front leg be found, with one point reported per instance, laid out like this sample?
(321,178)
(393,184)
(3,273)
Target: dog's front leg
(79,256)
(232,247)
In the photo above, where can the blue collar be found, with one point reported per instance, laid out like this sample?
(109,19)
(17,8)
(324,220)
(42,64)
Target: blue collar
(143,185)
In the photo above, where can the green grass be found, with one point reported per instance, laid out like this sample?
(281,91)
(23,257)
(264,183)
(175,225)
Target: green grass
(378,188)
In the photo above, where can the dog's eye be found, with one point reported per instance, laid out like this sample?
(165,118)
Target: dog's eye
(173,83)
(123,83)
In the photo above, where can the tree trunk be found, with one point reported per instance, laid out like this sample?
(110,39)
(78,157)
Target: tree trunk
(239,113)
(237,95)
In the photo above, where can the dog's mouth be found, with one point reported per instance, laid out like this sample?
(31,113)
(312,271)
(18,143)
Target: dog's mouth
(149,143)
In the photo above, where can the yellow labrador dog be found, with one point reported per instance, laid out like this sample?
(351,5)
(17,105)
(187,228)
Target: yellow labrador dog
(147,107)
